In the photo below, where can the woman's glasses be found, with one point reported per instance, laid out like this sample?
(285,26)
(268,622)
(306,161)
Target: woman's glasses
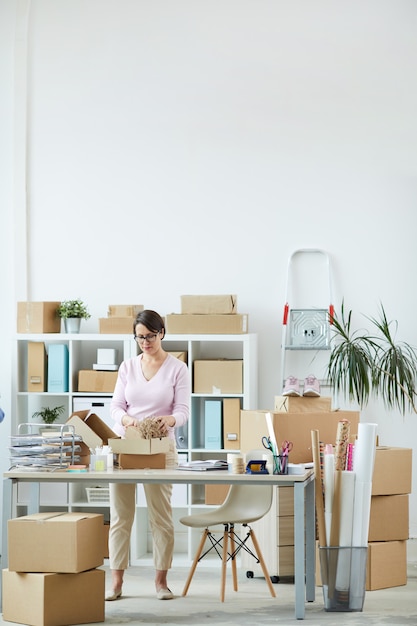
(149,338)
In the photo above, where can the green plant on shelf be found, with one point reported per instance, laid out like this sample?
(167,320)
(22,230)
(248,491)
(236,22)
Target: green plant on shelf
(73,308)
(49,415)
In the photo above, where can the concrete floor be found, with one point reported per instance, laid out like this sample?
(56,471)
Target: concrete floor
(252,604)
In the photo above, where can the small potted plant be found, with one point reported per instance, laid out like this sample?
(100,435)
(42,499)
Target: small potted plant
(49,415)
(72,312)
(364,364)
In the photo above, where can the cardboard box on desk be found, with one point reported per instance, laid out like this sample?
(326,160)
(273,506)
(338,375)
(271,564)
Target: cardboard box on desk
(94,432)
(177,323)
(138,453)
(209,305)
(295,427)
(38,317)
(51,599)
(392,471)
(55,542)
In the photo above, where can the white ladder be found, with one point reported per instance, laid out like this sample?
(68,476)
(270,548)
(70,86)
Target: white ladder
(306,324)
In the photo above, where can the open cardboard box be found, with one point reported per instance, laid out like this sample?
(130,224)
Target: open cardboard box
(138,453)
(134,451)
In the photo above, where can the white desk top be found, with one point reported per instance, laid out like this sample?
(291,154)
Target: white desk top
(173,476)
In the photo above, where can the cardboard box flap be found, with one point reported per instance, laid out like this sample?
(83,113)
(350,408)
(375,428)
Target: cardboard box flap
(91,428)
(138,445)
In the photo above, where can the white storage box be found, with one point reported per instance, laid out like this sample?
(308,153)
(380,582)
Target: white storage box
(98,494)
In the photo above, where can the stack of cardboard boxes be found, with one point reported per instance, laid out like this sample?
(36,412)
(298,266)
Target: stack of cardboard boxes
(53,577)
(389,518)
(207,314)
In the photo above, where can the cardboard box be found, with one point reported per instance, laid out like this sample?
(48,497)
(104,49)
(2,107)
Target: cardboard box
(209,305)
(231,423)
(138,453)
(106,528)
(96,380)
(182,356)
(176,323)
(94,432)
(216,494)
(386,565)
(37,366)
(55,542)
(392,471)
(124,310)
(295,427)
(116,325)
(38,317)
(41,599)
(58,368)
(218,376)
(389,518)
(303,404)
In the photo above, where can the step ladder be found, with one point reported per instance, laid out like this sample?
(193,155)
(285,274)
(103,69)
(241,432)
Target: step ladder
(307,316)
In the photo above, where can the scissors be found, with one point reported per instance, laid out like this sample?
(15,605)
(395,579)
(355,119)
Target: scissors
(286,447)
(267,443)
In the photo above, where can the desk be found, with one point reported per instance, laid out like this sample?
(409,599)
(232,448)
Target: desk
(304,507)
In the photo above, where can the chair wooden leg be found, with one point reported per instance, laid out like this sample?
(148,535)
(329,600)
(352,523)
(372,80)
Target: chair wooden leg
(224,564)
(232,550)
(194,565)
(262,562)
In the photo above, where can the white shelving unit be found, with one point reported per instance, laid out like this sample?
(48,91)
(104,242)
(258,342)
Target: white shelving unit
(82,349)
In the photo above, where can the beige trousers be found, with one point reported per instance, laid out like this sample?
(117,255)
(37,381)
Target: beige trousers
(122,514)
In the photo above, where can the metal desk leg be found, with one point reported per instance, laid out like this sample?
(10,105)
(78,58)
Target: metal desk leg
(299,549)
(310,542)
(6,515)
(34,498)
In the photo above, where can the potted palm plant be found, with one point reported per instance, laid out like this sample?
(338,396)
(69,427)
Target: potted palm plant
(364,364)
(49,415)
(72,312)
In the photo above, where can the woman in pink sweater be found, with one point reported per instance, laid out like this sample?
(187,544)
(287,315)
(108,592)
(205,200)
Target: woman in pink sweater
(152,384)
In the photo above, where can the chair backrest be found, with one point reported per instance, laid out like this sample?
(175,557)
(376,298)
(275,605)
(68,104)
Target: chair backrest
(246,503)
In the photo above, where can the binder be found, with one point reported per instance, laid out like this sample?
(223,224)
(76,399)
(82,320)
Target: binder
(213,424)
(58,368)
(231,423)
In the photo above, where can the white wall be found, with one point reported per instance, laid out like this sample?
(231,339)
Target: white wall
(190,146)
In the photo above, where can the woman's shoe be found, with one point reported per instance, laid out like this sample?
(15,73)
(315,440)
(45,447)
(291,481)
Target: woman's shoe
(113,595)
(164,594)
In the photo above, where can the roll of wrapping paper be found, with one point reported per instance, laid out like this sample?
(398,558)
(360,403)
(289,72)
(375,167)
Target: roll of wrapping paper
(315,444)
(342,440)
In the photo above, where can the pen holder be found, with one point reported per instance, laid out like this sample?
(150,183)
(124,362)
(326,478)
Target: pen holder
(280,464)
(98,462)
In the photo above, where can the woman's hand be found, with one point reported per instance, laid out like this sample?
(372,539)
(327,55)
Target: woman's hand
(128,421)
(165,422)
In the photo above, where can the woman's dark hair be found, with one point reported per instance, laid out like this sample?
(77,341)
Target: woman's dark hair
(151,319)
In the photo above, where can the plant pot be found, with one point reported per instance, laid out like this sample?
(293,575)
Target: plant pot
(72,324)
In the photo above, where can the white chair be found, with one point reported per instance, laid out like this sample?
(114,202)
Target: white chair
(243,504)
